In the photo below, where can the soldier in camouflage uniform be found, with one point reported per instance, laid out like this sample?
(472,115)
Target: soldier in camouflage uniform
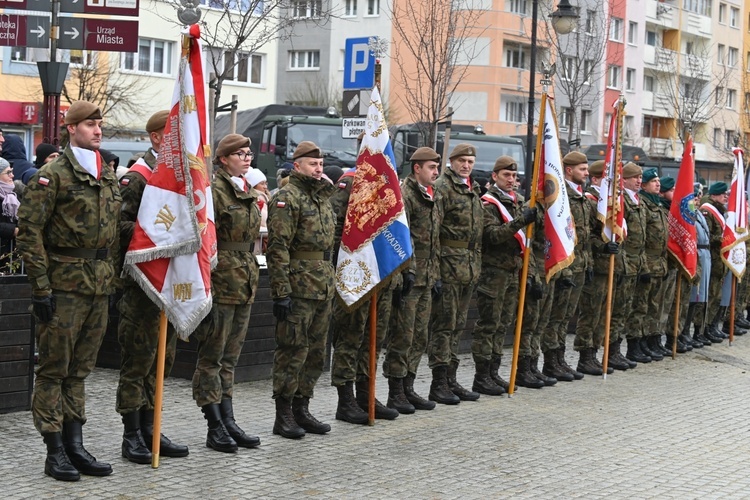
(68,238)
(497,293)
(713,211)
(591,313)
(138,327)
(233,284)
(647,302)
(408,334)
(301,226)
(460,261)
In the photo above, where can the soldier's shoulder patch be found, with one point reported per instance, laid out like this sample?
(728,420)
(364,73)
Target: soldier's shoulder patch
(280,204)
(342,185)
(43,181)
(124,181)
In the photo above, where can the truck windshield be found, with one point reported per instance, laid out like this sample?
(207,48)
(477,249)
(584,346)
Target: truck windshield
(488,152)
(327,137)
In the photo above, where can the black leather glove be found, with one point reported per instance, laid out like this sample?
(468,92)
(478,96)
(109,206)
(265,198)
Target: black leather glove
(529,215)
(397,298)
(409,279)
(589,275)
(536,289)
(565,283)
(611,248)
(437,289)
(44,307)
(282,308)
(644,278)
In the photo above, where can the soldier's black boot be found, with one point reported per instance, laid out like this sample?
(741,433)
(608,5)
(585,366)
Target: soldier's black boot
(305,419)
(632,364)
(565,366)
(234,430)
(656,344)
(495,374)
(348,410)
(700,337)
(585,364)
(738,331)
(525,377)
(598,364)
(396,397)
(57,465)
(382,412)
(415,399)
(285,424)
(217,438)
(534,367)
(681,349)
(483,383)
(552,369)
(741,322)
(456,388)
(634,352)
(166,447)
(616,360)
(439,390)
(646,348)
(133,446)
(81,459)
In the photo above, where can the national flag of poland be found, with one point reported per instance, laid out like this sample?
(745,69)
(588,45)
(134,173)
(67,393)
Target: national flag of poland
(173,248)
(611,206)
(681,242)
(733,251)
(559,228)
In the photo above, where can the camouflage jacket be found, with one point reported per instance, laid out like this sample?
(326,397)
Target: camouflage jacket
(715,229)
(425,218)
(65,208)
(300,219)
(599,261)
(237,218)
(631,259)
(580,209)
(657,232)
(339,203)
(500,248)
(461,230)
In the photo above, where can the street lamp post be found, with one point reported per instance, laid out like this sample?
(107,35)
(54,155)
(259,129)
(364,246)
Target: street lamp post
(563,21)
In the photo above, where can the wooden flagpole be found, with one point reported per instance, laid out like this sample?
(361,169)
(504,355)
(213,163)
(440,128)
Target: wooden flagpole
(373,357)
(526,254)
(676,315)
(159,396)
(732,305)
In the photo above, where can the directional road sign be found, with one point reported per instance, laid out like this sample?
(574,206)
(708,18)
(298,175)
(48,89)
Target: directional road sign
(111,7)
(38,5)
(24,31)
(359,64)
(98,34)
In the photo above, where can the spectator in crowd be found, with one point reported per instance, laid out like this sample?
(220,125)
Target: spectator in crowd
(45,153)
(15,152)
(257,180)
(8,214)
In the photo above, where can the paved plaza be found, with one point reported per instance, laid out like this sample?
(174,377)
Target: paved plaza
(673,429)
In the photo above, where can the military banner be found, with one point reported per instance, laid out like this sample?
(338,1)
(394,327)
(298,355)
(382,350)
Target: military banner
(376,241)
(610,206)
(733,251)
(174,242)
(681,242)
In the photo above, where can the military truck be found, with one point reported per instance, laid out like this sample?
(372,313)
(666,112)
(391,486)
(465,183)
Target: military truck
(276,130)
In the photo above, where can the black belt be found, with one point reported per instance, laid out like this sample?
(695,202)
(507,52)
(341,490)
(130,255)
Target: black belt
(311,255)
(81,253)
(457,244)
(236,246)
(704,247)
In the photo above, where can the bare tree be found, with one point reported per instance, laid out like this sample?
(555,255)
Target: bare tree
(436,41)
(317,91)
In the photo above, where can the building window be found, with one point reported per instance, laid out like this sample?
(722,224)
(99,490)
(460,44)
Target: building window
(154,56)
(630,79)
(718,96)
(717,138)
(517,7)
(613,77)
(304,59)
(647,127)
(238,5)
(729,139)
(247,68)
(350,8)
(515,56)
(373,7)
(732,57)
(734,17)
(702,7)
(22,54)
(720,53)
(723,13)
(747,101)
(302,9)
(651,38)
(607,121)
(566,118)
(568,66)
(615,29)
(632,33)
(590,17)
(649,85)
(731,99)
(515,112)
(82,58)
(588,68)
(585,120)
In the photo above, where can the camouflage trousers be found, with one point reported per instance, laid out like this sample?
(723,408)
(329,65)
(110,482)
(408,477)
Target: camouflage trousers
(497,303)
(647,307)
(351,338)
(220,339)
(300,352)
(138,336)
(718,271)
(742,294)
(591,314)
(408,332)
(668,318)
(622,305)
(535,316)
(566,302)
(449,313)
(68,346)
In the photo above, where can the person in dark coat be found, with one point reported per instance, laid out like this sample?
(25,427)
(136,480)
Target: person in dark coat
(15,152)
(45,153)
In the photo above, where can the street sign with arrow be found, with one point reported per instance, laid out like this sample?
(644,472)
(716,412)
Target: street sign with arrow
(98,34)
(24,31)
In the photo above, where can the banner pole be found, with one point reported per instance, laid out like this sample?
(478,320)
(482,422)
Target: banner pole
(608,315)
(676,316)
(373,357)
(732,305)
(159,393)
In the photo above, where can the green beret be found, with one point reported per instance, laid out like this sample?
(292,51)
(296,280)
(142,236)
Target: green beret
(667,183)
(650,174)
(718,188)
(229,144)
(425,154)
(463,149)
(596,169)
(82,110)
(505,163)
(157,121)
(574,158)
(631,170)
(307,149)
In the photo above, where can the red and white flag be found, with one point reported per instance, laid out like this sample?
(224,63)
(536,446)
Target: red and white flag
(173,248)
(559,229)
(611,206)
(733,251)
(681,242)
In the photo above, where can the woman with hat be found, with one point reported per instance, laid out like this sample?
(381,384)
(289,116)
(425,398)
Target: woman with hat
(234,282)
(8,214)
(257,180)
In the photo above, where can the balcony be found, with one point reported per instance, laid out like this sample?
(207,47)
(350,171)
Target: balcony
(693,66)
(696,25)
(659,58)
(661,14)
